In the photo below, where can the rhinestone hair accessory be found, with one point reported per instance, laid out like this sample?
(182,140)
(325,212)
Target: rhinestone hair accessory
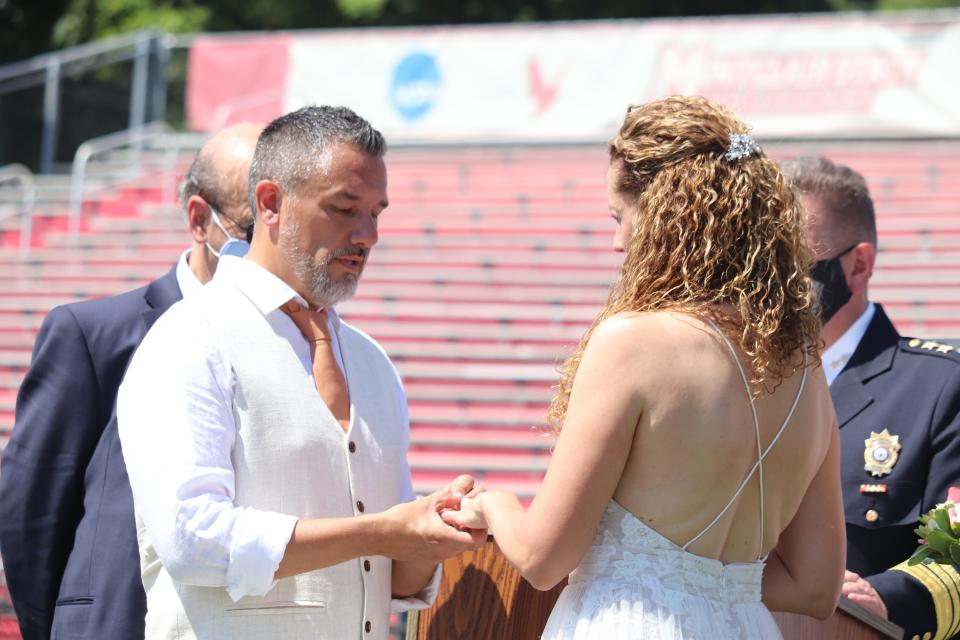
(741,146)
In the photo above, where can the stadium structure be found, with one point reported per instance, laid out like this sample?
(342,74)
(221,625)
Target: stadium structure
(495,254)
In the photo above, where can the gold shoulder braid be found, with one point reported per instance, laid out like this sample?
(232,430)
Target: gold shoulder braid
(943,583)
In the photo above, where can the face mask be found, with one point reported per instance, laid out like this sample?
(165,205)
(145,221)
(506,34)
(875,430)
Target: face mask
(833,291)
(233,246)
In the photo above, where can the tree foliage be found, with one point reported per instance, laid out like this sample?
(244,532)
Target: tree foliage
(28,27)
(86,20)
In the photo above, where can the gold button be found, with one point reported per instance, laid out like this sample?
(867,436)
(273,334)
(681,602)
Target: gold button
(927,636)
(915,343)
(872,515)
(916,636)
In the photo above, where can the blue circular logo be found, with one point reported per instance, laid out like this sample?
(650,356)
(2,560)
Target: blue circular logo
(416,83)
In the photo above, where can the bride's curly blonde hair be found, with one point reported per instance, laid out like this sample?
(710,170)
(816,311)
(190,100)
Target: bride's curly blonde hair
(709,232)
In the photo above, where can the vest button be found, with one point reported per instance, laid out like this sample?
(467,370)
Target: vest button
(366,565)
(352,446)
(360,506)
(367,626)
(871,515)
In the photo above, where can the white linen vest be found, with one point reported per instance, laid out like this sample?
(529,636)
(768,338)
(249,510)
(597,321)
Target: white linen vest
(291,456)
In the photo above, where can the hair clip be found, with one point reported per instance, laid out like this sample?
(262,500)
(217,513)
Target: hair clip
(741,146)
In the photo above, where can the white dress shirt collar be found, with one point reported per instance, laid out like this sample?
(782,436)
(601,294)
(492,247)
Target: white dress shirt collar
(265,290)
(186,279)
(836,356)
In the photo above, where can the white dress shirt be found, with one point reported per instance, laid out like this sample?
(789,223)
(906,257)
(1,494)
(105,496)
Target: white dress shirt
(836,356)
(187,280)
(188,472)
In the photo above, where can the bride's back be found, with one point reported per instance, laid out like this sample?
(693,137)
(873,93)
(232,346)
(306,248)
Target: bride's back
(696,441)
(653,409)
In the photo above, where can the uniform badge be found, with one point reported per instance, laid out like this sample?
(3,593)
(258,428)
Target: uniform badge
(881,453)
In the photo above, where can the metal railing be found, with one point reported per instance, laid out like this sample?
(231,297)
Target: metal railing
(148,50)
(155,137)
(174,144)
(134,137)
(17,173)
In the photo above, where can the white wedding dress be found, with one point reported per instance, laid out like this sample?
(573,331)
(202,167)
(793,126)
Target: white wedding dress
(635,583)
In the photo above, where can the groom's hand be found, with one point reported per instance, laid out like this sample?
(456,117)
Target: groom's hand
(460,487)
(414,532)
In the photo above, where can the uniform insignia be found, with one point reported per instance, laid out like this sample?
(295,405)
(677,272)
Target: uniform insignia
(881,453)
(873,488)
(839,362)
(930,345)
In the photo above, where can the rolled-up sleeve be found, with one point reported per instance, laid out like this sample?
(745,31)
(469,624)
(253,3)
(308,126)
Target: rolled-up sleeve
(177,431)
(422,600)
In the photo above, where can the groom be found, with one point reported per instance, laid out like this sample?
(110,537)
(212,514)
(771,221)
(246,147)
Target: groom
(265,438)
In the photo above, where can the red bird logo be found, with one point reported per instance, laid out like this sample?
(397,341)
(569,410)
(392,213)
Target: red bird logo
(544,93)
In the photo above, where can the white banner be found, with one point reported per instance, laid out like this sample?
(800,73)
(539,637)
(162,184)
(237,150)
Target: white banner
(536,83)
(787,76)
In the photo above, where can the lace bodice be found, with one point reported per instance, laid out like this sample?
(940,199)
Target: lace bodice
(635,583)
(626,550)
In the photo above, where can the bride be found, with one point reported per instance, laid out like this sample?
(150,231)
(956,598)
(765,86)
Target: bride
(695,481)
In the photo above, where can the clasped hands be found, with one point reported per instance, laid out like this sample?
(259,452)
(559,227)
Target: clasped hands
(464,510)
(433,528)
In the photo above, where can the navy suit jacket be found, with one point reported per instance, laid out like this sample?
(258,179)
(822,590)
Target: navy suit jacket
(67,531)
(911,388)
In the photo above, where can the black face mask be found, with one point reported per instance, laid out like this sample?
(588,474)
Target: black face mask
(832,285)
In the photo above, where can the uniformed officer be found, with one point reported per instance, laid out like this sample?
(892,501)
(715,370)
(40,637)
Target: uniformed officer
(898,407)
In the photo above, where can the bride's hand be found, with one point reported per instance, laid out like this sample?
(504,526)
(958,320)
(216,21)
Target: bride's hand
(470,515)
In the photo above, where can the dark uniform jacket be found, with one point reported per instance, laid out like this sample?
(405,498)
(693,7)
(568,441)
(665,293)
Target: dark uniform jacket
(898,406)
(67,531)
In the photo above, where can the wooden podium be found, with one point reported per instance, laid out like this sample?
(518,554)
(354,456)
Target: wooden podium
(483,598)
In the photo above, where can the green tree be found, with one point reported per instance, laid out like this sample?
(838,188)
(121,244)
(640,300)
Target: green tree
(28,27)
(86,20)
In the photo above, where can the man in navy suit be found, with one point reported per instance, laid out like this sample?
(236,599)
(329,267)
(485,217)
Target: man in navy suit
(67,531)
(898,407)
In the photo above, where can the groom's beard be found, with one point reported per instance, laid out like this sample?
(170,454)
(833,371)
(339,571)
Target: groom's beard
(324,288)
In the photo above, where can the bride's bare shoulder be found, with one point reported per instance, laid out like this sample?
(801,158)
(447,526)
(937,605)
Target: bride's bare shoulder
(652,327)
(653,338)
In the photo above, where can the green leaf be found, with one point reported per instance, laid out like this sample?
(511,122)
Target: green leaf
(924,532)
(919,555)
(943,520)
(955,553)
(939,542)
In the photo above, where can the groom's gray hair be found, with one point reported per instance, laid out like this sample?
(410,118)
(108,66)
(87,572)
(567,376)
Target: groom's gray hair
(290,150)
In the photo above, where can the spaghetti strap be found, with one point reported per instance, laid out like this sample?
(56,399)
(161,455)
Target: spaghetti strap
(761,452)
